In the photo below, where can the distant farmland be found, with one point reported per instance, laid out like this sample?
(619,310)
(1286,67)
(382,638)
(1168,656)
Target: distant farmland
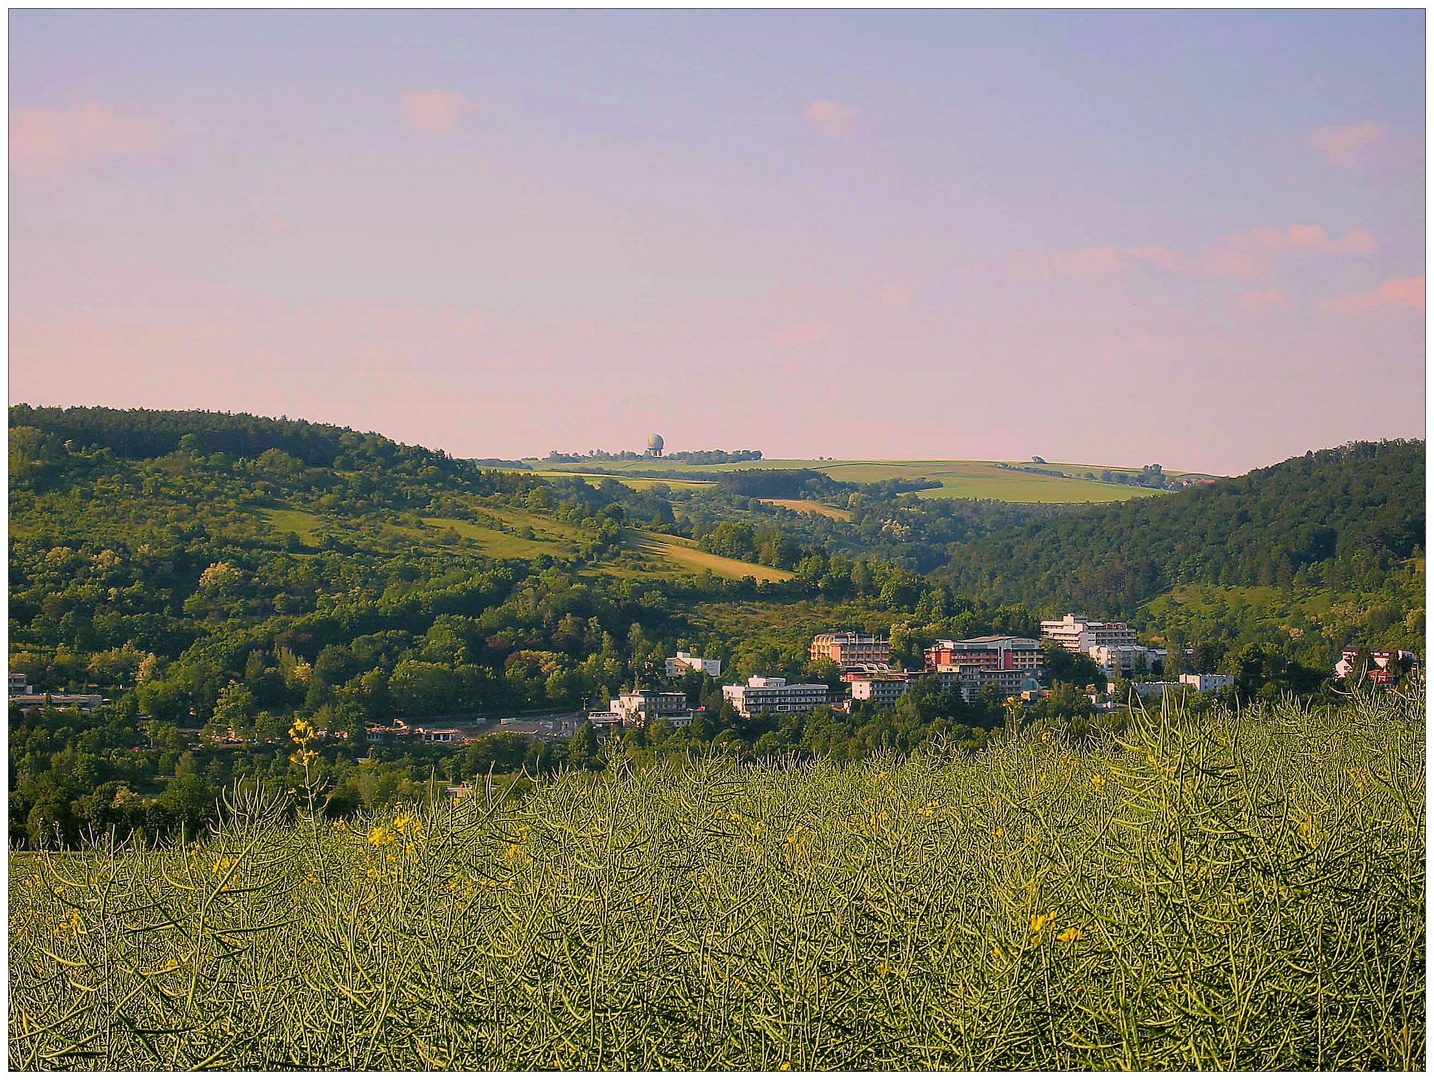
(958,479)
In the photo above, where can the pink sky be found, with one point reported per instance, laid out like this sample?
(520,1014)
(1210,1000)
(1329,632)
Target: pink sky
(493,239)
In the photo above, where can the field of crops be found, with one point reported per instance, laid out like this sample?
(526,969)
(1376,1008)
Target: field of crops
(1242,892)
(958,479)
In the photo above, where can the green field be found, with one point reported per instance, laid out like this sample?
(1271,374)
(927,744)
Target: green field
(959,479)
(637,483)
(1245,892)
(810,506)
(302,524)
(682,553)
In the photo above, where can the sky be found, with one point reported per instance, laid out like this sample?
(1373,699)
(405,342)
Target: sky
(1118,238)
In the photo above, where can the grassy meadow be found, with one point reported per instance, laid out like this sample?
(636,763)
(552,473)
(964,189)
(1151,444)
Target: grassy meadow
(1242,892)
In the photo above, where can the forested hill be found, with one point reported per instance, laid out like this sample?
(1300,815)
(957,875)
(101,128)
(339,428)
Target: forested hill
(149,433)
(1336,518)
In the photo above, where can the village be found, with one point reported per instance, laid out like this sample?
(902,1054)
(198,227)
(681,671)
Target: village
(1001,667)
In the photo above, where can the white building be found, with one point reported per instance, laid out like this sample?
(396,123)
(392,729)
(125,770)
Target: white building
(642,706)
(1118,660)
(683,662)
(18,685)
(881,691)
(773,694)
(1207,684)
(1079,634)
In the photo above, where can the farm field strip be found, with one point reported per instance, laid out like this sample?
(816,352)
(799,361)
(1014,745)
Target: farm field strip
(685,554)
(958,478)
(1048,903)
(811,506)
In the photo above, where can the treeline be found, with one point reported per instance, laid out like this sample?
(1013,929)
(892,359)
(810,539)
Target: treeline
(684,457)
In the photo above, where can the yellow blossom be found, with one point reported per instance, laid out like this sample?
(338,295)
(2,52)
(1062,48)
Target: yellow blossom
(1038,922)
(1070,933)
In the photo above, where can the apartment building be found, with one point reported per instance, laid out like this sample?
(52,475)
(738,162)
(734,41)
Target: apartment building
(644,706)
(881,691)
(850,648)
(994,652)
(1079,634)
(774,694)
(1116,661)
(1207,684)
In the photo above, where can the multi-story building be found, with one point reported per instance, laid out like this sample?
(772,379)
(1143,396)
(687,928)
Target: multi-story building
(18,685)
(1206,684)
(1079,634)
(683,662)
(773,694)
(1011,663)
(850,648)
(642,706)
(884,692)
(1116,661)
(994,652)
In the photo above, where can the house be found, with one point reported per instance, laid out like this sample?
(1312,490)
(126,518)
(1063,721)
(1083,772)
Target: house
(18,686)
(850,648)
(441,736)
(682,663)
(774,694)
(1079,634)
(1383,665)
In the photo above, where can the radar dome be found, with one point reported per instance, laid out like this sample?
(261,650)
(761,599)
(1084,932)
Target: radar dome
(654,442)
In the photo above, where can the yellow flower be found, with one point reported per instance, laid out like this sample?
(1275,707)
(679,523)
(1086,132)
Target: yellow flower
(1000,833)
(786,1066)
(1070,933)
(380,835)
(1098,781)
(1038,922)
(995,952)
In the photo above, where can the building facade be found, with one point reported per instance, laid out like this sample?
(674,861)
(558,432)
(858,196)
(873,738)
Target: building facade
(639,707)
(850,648)
(1207,684)
(773,694)
(884,692)
(1116,661)
(994,652)
(682,663)
(1078,634)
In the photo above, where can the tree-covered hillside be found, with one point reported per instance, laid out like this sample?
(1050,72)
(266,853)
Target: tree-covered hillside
(1340,519)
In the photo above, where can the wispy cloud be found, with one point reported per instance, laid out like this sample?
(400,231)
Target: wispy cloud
(1260,302)
(1394,293)
(436,111)
(830,118)
(1244,254)
(45,139)
(1347,145)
